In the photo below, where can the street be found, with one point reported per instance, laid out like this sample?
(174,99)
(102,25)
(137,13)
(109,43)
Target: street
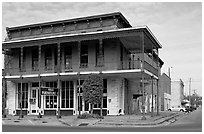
(191,122)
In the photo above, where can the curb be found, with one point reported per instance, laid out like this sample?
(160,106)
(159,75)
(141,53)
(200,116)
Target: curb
(142,124)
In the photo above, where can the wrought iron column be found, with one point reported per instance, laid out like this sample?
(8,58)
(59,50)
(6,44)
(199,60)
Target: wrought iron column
(39,68)
(142,73)
(58,79)
(152,108)
(4,92)
(21,96)
(158,82)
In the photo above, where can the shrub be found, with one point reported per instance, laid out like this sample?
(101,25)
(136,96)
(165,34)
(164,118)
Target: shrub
(87,116)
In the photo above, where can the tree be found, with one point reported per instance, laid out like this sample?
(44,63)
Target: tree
(93,90)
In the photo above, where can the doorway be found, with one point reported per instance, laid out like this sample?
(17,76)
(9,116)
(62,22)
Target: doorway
(34,101)
(82,106)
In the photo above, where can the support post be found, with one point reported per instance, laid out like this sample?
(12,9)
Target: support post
(21,98)
(39,66)
(152,108)
(58,79)
(142,73)
(157,97)
(158,67)
(79,94)
(39,99)
(4,94)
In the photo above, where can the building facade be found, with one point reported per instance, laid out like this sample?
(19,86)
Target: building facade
(46,64)
(165,91)
(177,93)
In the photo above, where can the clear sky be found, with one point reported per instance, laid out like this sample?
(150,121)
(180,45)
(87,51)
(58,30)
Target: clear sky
(177,26)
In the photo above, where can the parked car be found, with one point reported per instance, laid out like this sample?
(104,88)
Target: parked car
(177,108)
(190,108)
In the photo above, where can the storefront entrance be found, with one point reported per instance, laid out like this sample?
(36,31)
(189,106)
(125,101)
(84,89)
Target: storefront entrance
(34,101)
(82,106)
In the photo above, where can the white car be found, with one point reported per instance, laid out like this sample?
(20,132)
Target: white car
(177,108)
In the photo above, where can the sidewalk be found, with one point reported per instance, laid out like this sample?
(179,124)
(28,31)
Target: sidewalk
(108,121)
(135,120)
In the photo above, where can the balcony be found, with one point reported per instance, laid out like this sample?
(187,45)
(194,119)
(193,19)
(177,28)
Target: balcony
(149,64)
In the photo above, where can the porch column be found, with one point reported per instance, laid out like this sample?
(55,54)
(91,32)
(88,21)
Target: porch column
(21,54)
(21,96)
(39,68)
(4,90)
(142,73)
(79,52)
(58,79)
(158,82)
(152,107)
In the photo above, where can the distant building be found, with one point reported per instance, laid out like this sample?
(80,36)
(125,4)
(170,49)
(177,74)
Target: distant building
(165,91)
(60,54)
(177,92)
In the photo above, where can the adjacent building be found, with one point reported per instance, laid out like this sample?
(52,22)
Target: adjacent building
(165,91)
(177,93)
(46,64)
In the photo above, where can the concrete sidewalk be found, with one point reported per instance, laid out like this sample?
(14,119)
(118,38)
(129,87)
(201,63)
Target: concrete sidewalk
(135,120)
(108,121)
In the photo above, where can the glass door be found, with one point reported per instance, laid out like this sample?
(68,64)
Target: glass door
(34,101)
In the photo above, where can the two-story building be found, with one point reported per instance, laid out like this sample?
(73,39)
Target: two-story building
(60,54)
(177,92)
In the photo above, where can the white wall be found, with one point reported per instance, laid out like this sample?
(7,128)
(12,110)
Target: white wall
(11,89)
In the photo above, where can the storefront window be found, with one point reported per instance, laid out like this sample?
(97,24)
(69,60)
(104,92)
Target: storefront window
(67,94)
(51,100)
(24,95)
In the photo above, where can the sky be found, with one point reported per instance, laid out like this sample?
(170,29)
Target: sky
(177,26)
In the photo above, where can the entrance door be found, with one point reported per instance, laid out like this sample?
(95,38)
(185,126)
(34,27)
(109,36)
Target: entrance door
(82,106)
(34,101)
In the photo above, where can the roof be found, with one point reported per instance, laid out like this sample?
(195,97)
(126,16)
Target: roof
(103,33)
(72,20)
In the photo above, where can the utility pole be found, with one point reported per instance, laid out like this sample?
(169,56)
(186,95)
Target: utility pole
(190,91)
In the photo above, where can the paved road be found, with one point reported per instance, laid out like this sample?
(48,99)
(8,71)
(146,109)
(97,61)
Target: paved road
(189,123)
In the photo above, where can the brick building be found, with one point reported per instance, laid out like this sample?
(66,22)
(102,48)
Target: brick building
(165,91)
(46,64)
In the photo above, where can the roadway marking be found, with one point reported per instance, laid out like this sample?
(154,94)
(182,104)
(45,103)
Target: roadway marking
(31,122)
(3,122)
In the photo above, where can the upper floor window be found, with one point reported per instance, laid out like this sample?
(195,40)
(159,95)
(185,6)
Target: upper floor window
(48,58)
(84,55)
(35,59)
(99,54)
(23,66)
(68,57)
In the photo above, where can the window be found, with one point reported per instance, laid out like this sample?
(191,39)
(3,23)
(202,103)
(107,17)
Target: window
(67,94)
(22,68)
(68,57)
(84,55)
(24,95)
(51,100)
(48,58)
(99,54)
(35,59)
(104,85)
